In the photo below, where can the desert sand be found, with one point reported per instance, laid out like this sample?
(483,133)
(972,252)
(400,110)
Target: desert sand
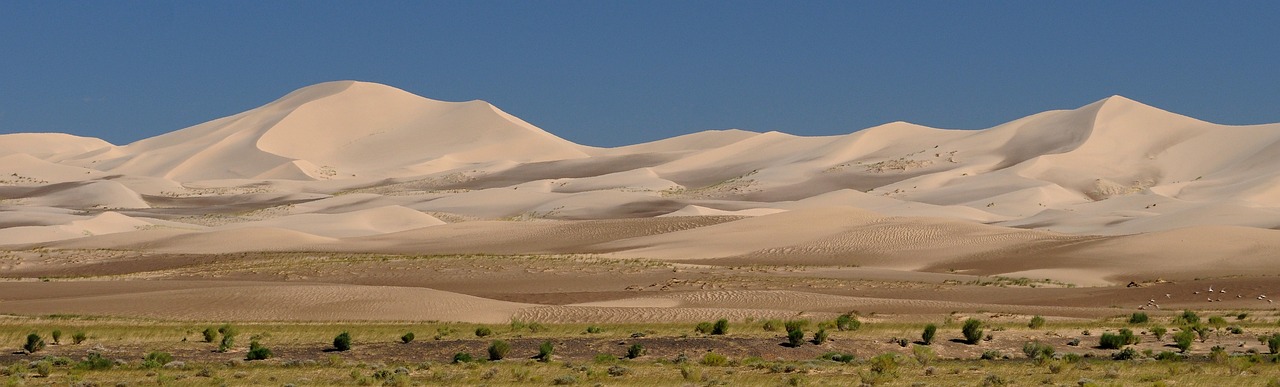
(359,201)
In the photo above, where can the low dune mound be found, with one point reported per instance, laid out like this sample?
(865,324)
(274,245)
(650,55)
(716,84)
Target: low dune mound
(374,221)
(50,146)
(55,227)
(95,194)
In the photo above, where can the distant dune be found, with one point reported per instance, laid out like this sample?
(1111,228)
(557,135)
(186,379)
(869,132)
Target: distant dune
(1110,190)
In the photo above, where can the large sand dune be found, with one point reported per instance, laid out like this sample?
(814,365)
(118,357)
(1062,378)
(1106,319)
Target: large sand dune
(1105,193)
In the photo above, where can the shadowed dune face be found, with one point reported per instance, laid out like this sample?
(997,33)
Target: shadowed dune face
(1111,192)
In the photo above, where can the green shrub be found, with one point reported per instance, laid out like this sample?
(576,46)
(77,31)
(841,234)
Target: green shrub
(634,351)
(972,331)
(210,334)
(498,350)
(1129,337)
(1183,339)
(257,352)
(1159,331)
(1167,356)
(342,341)
(837,357)
(545,351)
(926,337)
(1138,318)
(407,338)
(795,338)
(157,359)
(1128,353)
(95,361)
(1111,341)
(79,337)
(792,325)
(885,363)
(772,325)
(991,355)
(1186,318)
(923,355)
(704,328)
(1038,351)
(34,343)
(721,327)
(1273,343)
(57,337)
(1036,322)
(462,357)
(713,359)
(847,322)
(594,329)
(43,368)
(820,337)
(564,380)
(483,332)
(228,333)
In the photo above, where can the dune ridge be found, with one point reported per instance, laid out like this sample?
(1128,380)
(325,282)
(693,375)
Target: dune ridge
(357,166)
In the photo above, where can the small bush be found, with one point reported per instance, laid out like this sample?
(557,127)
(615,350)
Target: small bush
(795,338)
(847,322)
(79,337)
(820,337)
(43,368)
(228,333)
(407,338)
(617,371)
(95,362)
(594,329)
(1159,332)
(772,325)
(1129,337)
(924,355)
(993,380)
(1036,322)
(713,359)
(1111,341)
(634,351)
(257,352)
(1186,318)
(885,363)
(972,331)
(792,325)
(342,341)
(210,334)
(57,337)
(1183,339)
(545,351)
(1273,343)
(34,343)
(483,332)
(1167,356)
(462,357)
(498,350)
(1038,351)
(1128,353)
(564,380)
(930,331)
(157,359)
(704,328)
(991,355)
(1138,318)
(721,327)
(837,357)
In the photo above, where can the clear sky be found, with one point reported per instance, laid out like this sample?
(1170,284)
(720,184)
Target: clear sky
(610,73)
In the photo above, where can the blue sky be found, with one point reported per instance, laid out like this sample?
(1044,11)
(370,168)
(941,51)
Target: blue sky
(610,73)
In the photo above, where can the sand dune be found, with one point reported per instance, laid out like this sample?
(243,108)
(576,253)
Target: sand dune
(1101,193)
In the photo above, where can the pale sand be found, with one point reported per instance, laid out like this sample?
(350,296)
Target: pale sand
(1111,192)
